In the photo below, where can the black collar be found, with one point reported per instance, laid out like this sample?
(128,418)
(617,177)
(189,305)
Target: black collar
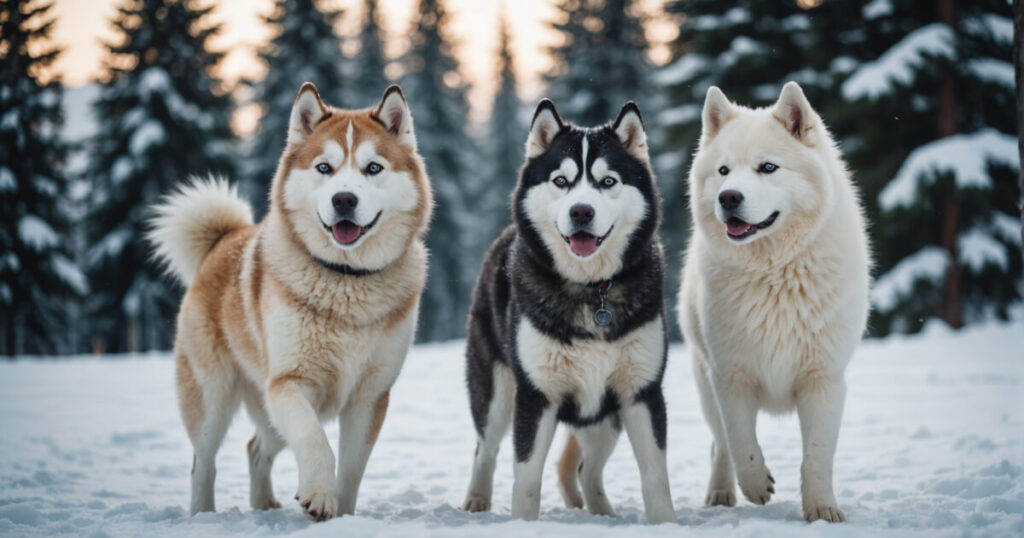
(603,285)
(345,269)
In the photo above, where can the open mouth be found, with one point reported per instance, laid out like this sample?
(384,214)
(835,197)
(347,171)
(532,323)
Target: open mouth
(583,244)
(346,232)
(737,228)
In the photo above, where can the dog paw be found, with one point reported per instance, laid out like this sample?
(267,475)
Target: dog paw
(476,503)
(319,504)
(720,498)
(268,503)
(824,512)
(757,485)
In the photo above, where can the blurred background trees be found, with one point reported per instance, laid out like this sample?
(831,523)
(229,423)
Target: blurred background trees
(920,95)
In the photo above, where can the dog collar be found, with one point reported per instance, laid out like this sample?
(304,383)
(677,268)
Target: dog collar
(602,316)
(345,269)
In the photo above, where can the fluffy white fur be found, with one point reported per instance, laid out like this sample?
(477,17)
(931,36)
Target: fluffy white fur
(191,220)
(773,319)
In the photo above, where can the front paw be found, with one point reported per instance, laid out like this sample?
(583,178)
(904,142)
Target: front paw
(318,502)
(476,503)
(825,512)
(757,484)
(720,498)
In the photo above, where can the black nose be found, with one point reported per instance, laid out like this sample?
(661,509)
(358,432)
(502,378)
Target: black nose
(344,202)
(730,199)
(581,214)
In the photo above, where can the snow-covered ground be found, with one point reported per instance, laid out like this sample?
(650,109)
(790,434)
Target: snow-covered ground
(932,445)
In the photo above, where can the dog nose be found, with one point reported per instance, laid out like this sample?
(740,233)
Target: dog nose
(344,201)
(730,199)
(581,214)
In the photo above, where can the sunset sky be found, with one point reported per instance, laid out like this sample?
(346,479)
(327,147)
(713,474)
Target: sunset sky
(83,25)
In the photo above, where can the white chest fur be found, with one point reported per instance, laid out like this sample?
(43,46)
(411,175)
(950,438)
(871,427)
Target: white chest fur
(586,369)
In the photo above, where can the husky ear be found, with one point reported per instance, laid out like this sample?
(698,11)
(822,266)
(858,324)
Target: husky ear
(794,112)
(546,124)
(629,127)
(717,111)
(393,112)
(307,111)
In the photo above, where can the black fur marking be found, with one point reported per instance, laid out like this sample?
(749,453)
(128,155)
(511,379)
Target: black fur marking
(530,405)
(569,411)
(654,399)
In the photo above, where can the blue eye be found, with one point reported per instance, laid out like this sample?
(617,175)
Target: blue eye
(608,181)
(767,168)
(374,169)
(560,182)
(324,168)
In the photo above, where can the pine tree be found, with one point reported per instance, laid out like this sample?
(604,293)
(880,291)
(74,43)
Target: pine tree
(937,81)
(437,97)
(505,139)
(37,277)
(750,49)
(163,117)
(601,61)
(304,49)
(368,77)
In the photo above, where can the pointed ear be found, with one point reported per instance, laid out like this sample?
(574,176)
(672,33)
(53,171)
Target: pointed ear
(629,127)
(546,124)
(794,112)
(393,112)
(717,111)
(307,111)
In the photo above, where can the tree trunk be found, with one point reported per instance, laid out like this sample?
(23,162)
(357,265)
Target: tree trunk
(1018,62)
(951,299)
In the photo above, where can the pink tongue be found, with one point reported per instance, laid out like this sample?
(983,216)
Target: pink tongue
(346,232)
(583,244)
(737,227)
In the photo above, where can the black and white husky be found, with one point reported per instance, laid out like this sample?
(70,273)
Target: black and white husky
(568,320)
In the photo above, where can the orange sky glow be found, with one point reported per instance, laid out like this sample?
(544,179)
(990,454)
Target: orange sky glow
(83,26)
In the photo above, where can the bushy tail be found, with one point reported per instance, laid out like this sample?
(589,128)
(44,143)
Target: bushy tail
(190,221)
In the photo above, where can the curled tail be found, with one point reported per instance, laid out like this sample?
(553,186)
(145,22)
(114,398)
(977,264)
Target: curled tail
(190,221)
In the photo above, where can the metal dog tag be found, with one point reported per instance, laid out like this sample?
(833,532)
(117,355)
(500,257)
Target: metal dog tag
(603,317)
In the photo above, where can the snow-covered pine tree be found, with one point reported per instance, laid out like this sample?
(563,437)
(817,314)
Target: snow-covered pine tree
(941,155)
(305,48)
(368,79)
(37,278)
(437,96)
(600,63)
(162,117)
(504,140)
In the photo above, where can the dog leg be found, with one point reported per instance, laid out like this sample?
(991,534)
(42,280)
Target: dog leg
(568,472)
(207,412)
(645,424)
(597,443)
(820,408)
(722,486)
(262,449)
(359,426)
(494,425)
(739,416)
(292,414)
(534,428)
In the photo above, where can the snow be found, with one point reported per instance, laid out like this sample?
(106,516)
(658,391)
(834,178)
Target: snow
(989,24)
(7,180)
(68,272)
(36,233)
(679,115)
(740,46)
(736,15)
(1006,227)
(149,134)
(992,70)
(931,445)
(965,155)
(929,263)
(122,169)
(681,70)
(977,248)
(876,9)
(897,64)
